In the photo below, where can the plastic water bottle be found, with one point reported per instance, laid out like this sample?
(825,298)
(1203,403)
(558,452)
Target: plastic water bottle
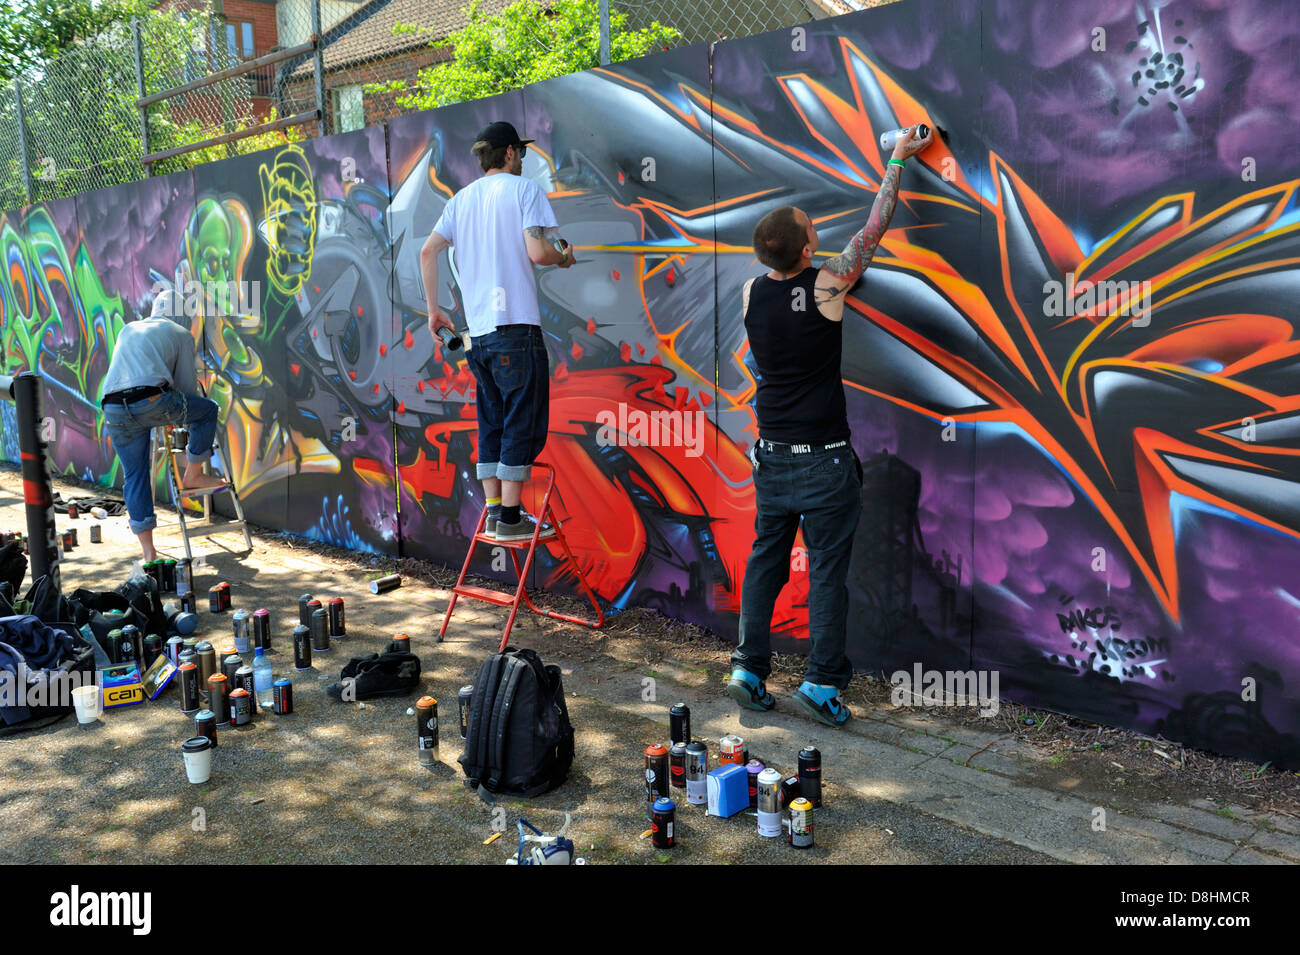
(262,679)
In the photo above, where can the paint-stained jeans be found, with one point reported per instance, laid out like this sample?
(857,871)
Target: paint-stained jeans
(824,490)
(129,427)
(512,395)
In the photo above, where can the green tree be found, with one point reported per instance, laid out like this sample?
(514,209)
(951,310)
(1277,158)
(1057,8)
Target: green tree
(526,42)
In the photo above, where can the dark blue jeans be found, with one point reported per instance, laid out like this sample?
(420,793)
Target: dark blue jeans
(512,396)
(129,428)
(823,489)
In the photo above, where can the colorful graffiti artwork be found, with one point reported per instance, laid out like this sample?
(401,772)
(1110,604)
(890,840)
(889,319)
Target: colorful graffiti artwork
(1072,366)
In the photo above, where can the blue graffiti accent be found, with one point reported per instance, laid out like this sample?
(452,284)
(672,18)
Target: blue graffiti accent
(335,528)
(9,432)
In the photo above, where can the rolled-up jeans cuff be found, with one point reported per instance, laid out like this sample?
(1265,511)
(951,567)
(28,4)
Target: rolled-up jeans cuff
(193,458)
(488,470)
(520,472)
(148,524)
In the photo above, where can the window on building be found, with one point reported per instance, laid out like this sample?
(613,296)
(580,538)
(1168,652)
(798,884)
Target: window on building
(239,40)
(349,109)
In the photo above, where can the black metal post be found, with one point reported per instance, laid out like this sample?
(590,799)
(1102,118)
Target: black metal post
(42,544)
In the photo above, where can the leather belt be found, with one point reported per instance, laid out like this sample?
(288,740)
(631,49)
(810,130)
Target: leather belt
(128,395)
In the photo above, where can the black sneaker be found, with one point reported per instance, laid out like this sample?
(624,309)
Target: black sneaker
(522,529)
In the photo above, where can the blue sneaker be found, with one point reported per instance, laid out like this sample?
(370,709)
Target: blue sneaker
(748,691)
(822,703)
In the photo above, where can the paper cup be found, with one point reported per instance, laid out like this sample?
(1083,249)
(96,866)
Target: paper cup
(197,751)
(88,703)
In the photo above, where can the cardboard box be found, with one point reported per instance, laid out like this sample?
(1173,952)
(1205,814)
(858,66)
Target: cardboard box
(121,685)
(728,791)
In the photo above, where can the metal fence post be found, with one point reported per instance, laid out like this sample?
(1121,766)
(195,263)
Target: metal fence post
(318,65)
(23,159)
(604,32)
(139,83)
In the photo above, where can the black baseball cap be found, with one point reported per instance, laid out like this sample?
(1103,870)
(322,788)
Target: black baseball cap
(501,134)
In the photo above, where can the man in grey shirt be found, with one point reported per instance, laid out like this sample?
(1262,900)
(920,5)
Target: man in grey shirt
(150,383)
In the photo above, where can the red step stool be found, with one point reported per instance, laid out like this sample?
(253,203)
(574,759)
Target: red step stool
(505,599)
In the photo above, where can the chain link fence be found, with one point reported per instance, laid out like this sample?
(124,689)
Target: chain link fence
(78,123)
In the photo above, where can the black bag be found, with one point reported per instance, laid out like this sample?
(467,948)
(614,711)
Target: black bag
(520,740)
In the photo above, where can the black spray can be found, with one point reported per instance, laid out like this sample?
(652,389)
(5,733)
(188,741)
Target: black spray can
(462,702)
(663,816)
(189,677)
(219,697)
(244,680)
(262,629)
(401,644)
(282,696)
(679,723)
(384,584)
(96,534)
(810,775)
(677,765)
(153,645)
(426,728)
(189,602)
(656,775)
(205,724)
(301,648)
(169,576)
(304,615)
(132,633)
(320,629)
(338,628)
(230,668)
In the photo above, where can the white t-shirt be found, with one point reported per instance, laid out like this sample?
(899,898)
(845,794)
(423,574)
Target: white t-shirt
(485,223)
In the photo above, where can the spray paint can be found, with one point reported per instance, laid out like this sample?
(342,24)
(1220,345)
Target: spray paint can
(230,664)
(72,510)
(153,645)
(338,627)
(801,824)
(131,633)
(218,687)
(207,666)
(312,606)
(72,536)
(790,790)
(184,577)
(426,728)
(463,698)
(243,625)
(663,816)
(189,603)
(889,139)
(99,513)
(118,649)
(679,723)
(241,710)
(697,772)
(169,576)
(189,677)
(769,803)
(401,643)
(732,751)
(262,629)
(205,724)
(214,600)
(96,534)
(244,680)
(174,647)
(752,769)
(282,696)
(304,615)
(224,588)
(384,584)
(656,774)
(301,648)
(677,765)
(810,775)
(320,629)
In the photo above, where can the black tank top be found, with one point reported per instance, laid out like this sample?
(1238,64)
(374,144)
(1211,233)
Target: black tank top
(797,351)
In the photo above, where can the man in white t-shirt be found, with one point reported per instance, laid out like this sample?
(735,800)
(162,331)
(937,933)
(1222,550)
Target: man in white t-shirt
(501,226)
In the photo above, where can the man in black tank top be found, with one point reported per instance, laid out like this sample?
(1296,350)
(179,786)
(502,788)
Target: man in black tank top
(805,469)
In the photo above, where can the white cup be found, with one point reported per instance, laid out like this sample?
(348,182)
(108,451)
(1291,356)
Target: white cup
(88,703)
(197,751)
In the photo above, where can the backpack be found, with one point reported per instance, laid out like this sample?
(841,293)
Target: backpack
(519,741)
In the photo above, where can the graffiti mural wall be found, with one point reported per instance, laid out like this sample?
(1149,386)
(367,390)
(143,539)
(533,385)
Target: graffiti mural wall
(1072,368)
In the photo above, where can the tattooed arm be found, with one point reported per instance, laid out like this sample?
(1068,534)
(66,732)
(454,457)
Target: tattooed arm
(842,272)
(541,251)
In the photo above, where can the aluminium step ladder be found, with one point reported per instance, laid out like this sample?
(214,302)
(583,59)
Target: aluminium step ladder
(207,526)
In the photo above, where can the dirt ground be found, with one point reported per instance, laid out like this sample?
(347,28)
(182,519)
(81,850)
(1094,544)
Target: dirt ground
(341,782)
